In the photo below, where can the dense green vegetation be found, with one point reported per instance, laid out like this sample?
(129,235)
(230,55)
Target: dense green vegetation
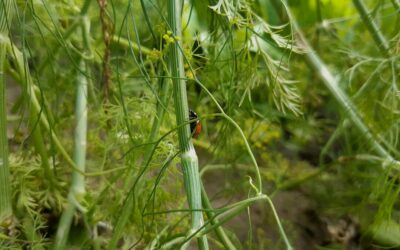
(299,106)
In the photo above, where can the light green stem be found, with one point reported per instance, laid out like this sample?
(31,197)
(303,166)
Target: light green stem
(78,180)
(331,83)
(189,158)
(77,189)
(131,44)
(373,28)
(63,227)
(27,81)
(40,148)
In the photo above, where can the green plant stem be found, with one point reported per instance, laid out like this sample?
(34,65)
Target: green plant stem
(5,190)
(373,28)
(331,83)
(131,44)
(64,226)
(27,81)
(189,158)
(78,181)
(77,188)
(231,211)
(40,148)
(38,142)
(219,231)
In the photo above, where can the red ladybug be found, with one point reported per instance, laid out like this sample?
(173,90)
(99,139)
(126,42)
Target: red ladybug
(195,125)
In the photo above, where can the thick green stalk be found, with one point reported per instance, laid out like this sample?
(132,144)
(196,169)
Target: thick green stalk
(78,180)
(77,189)
(373,28)
(5,191)
(331,83)
(189,158)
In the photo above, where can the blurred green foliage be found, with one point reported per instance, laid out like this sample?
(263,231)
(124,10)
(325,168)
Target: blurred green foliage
(246,55)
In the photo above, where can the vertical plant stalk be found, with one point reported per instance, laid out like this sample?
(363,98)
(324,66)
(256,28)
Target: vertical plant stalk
(5,190)
(78,180)
(77,189)
(108,31)
(189,158)
(331,83)
(373,28)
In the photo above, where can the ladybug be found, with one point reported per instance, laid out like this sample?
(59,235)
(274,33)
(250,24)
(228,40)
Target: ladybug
(195,125)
